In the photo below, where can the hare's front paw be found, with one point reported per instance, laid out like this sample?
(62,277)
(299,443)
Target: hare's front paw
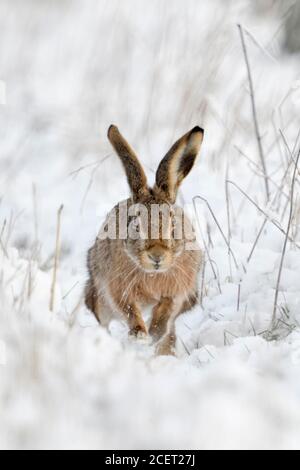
(155,331)
(139,332)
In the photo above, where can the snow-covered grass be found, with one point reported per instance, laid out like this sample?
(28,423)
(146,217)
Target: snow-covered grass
(155,69)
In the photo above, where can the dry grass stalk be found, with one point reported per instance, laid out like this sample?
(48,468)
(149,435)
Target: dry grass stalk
(216,277)
(285,242)
(35,215)
(202,283)
(255,118)
(220,229)
(1,242)
(229,233)
(56,258)
(274,222)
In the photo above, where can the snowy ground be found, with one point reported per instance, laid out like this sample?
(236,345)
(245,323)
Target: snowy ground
(156,69)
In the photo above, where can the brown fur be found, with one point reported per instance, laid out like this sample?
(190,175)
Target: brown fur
(178,163)
(135,174)
(121,281)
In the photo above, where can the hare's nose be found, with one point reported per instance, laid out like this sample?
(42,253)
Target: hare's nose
(156,258)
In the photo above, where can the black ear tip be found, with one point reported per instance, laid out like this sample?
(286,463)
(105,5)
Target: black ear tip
(111,128)
(197,129)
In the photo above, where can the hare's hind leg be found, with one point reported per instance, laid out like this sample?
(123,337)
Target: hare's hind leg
(190,303)
(90,296)
(95,303)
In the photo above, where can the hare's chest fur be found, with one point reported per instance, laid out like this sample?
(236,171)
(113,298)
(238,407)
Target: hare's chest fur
(178,282)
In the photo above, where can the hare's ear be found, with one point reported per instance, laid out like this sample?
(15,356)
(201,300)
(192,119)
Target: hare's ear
(135,174)
(178,163)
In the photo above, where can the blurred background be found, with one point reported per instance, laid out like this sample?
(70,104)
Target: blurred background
(69,69)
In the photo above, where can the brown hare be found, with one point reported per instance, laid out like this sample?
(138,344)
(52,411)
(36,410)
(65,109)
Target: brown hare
(138,268)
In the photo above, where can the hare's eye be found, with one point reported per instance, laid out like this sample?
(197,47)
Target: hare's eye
(174,223)
(136,224)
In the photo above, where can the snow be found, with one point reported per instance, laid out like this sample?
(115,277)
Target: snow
(68,70)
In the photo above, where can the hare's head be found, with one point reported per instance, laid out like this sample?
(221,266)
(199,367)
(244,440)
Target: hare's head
(155,224)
